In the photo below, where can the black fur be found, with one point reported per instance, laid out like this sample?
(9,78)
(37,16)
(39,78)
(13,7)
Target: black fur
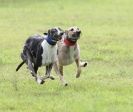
(32,53)
(34,48)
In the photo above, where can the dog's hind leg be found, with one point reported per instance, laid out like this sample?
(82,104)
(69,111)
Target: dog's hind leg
(78,68)
(32,69)
(34,73)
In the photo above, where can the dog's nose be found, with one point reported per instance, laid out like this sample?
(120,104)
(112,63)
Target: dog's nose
(61,33)
(78,32)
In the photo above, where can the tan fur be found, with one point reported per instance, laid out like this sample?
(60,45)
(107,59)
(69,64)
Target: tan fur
(67,55)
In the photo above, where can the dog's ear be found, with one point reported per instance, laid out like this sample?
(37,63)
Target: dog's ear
(45,33)
(49,32)
(72,29)
(66,31)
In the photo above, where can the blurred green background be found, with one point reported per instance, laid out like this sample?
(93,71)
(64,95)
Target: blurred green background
(106,43)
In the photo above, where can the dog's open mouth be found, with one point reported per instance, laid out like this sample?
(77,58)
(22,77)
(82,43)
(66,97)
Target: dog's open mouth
(76,34)
(74,40)
(58,37)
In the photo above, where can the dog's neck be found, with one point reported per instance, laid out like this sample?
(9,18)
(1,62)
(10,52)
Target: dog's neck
(69,42)
(50,40)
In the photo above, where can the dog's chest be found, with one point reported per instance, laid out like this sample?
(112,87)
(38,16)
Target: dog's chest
(70,54)
(67,54)
(70,51)
(49,54)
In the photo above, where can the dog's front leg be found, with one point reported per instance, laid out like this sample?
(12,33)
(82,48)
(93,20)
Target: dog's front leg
(48,72)
(59,72)
(61,76)
(78,68)
(32,69)
(38,78)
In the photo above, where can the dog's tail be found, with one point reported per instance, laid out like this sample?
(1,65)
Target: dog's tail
(23,58)
(20,65)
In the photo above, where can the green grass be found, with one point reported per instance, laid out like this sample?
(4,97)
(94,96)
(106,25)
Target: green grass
(106,42)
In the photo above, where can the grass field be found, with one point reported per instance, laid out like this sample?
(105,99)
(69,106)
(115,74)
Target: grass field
(106,85)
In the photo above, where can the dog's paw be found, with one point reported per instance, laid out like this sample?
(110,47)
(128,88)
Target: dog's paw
(77,75)
(83,63)
(42,82)
(66,84)
(51,77)
(39,80)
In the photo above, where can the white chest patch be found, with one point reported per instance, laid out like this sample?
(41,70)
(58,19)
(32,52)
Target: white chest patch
(49,54)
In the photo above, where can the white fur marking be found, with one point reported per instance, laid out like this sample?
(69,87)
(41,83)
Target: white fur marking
(58,30)
(39,80)
(49,54)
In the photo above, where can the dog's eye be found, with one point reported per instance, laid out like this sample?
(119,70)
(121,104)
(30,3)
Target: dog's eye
(72,29)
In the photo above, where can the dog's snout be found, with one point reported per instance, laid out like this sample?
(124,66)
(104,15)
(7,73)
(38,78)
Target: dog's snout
(60,35)
(78,33)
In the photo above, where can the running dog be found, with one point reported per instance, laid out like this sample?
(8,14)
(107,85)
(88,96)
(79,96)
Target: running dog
(69,52)
(41,51)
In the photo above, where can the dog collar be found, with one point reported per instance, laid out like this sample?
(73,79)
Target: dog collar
(69,42)
(50,41)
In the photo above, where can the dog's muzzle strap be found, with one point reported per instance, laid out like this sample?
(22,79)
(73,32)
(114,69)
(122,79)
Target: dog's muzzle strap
(50,41)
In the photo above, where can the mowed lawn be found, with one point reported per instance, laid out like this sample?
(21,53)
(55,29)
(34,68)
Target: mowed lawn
(106,85)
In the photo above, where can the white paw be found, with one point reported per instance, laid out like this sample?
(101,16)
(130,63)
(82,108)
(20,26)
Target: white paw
(83,64)
(65,83)
(39,80)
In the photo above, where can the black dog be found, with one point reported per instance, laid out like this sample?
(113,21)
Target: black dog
(41,51)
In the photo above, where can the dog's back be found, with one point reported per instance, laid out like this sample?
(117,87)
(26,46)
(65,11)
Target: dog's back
(33,43)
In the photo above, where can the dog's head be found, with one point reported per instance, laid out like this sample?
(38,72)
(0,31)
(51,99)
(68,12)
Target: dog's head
(55,33)
(73,33)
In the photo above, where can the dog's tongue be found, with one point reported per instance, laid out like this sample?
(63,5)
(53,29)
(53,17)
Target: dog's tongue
(69,42)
